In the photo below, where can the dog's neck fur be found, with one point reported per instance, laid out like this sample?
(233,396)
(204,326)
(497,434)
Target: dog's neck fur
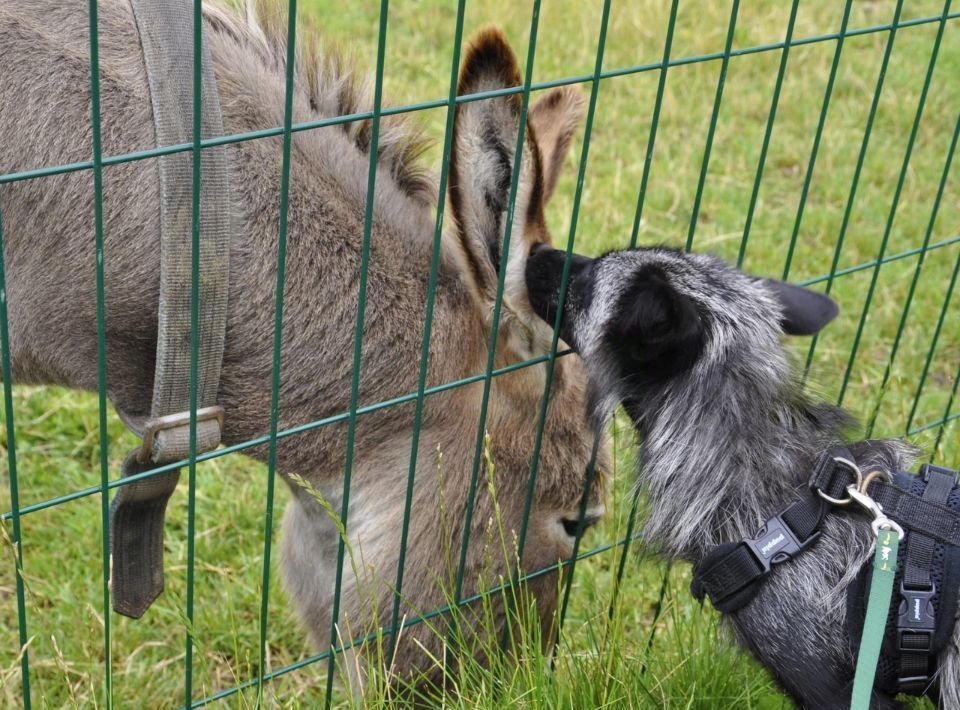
(722,452)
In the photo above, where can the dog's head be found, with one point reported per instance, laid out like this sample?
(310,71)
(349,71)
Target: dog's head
(644,318)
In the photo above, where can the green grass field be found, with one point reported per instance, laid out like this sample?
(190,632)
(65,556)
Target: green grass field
(602,660)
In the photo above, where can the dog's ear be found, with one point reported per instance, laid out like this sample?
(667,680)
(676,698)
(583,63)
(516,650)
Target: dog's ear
(656,331)
(805,312)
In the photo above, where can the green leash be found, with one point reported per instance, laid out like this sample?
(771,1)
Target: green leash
(881,590)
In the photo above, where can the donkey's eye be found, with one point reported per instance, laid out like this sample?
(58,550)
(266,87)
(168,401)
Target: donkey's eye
(570,524)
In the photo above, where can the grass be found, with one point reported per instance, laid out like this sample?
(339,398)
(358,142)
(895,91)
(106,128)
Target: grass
(603,659)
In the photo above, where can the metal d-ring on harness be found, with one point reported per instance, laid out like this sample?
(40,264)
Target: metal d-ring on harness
(923,509)
(137,512)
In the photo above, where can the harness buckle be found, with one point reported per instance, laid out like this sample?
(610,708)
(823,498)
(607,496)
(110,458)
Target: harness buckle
(916,611)
(776,543)
(174,421)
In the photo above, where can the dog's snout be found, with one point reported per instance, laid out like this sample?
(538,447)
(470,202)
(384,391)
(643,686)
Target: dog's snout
(544,277)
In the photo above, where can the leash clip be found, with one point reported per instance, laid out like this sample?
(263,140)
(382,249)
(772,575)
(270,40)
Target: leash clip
(880,520)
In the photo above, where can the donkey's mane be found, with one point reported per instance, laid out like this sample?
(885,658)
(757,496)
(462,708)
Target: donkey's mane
(332,85)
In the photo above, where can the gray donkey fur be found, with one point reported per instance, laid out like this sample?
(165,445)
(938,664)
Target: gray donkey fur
(692,348)
(49,233)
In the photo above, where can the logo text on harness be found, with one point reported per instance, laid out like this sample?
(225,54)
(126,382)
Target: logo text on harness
(766,549)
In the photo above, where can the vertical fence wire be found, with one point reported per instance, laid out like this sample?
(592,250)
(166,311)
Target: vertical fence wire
(815,150)
(718,98)
(946,415)
(934,341)
(914,281)
(654,123)
(865,143)
(17,538)
(101,345)
(771,118)
(584,499)
(427,327)
(194,344)
(358,338)
(277,339)
(495,324)
(641,197)
(564,282)
(694,216)
(908,153)
(555,338)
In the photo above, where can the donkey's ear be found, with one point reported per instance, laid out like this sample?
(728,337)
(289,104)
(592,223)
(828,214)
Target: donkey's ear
(656,330)
(554,119)
(805,312)
(482,159)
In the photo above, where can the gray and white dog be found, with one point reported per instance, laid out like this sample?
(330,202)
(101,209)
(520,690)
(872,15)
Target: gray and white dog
(692,348)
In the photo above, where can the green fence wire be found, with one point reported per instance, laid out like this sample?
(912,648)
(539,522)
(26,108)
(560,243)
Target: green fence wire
(98,162)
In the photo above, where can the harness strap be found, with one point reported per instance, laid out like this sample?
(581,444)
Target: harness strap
(917,620)
(731,573)
(920,515)
(920,620)
(137,512)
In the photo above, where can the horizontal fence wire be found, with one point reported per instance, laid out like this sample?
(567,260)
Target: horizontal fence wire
(441,103)
(412,396)
(355,411)
(416,621)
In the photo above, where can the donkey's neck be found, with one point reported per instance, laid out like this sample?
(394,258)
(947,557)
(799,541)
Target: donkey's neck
(719,459)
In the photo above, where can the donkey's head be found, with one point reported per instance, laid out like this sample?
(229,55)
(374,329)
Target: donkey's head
(493,242)
(644,319)
(496,221)
(522,483)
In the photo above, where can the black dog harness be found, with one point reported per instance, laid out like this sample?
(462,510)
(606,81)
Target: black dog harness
(922,615)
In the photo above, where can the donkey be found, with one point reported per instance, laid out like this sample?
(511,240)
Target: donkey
(692,348)
(48,229)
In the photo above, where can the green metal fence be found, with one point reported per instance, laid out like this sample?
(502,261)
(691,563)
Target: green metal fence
(725,58)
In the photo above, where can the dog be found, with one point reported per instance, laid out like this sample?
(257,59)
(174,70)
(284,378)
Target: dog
(693,350)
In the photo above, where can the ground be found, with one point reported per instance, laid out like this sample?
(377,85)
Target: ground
(603,659)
